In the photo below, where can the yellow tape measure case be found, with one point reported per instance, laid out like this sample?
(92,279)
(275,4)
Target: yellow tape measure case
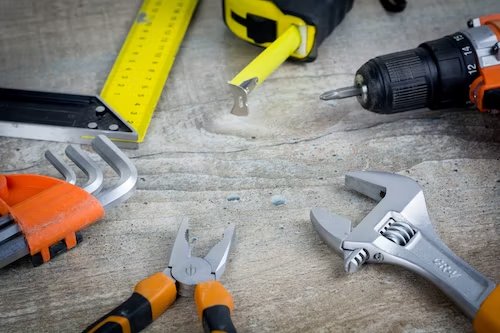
(260,22)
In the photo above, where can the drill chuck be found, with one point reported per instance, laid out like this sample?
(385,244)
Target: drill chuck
(435,75)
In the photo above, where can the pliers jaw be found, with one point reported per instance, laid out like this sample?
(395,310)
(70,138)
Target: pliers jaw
(188,271)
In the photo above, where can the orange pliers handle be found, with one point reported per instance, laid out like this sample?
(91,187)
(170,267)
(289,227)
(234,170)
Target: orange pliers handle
(155,294)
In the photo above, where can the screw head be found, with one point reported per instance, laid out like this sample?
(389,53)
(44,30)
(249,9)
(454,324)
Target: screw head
(113,127)
(100,108)
(92,125)
(378,257)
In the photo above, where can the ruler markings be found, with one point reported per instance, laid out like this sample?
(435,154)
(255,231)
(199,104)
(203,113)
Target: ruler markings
(136,81)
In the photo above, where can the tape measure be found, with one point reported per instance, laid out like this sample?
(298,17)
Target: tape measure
(141,69)
(125,107)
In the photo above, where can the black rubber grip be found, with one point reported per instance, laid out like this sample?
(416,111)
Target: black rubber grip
(217,318)
(136,309)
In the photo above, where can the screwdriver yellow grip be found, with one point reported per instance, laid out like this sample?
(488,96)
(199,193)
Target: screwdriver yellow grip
(271,58)
(151,297)
(488,317)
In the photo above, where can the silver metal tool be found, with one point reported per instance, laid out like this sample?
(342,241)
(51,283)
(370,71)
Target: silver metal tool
(399,231)
(189,271)
(13,244)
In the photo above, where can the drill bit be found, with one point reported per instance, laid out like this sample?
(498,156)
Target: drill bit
(340,93)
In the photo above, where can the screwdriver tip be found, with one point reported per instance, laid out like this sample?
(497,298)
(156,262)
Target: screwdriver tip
(327,95)
(341,93)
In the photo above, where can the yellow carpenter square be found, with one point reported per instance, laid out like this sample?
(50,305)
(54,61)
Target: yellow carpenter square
(141,69)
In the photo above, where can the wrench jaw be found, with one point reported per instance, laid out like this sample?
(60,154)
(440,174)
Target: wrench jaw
(331,228)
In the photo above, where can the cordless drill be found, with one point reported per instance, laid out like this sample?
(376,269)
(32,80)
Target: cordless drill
(460,70)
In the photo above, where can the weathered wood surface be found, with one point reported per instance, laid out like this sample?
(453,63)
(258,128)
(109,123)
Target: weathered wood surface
(282,277)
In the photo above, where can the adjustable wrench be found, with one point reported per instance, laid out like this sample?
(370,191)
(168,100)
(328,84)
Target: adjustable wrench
(399,231)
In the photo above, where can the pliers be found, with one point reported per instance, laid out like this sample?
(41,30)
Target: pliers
(186,276)
(399,231)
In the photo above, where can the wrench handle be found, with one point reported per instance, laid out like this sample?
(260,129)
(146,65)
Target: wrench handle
(432,259)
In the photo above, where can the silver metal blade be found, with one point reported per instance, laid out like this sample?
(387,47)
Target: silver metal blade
(181,250)
(61,166)
(88,166)
(219,254)
(340,93)
(125,186)
(332,228)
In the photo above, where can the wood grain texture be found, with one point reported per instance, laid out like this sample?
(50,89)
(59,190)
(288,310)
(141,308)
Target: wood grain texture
(282,277)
